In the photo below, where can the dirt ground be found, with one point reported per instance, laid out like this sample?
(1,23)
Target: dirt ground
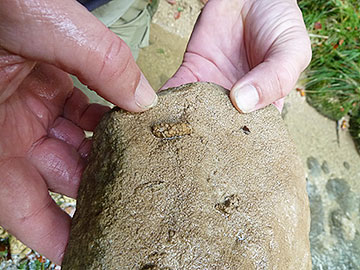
(161,59)
(170,31)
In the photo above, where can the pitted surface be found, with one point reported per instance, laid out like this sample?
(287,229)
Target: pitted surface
(216,198)
(171,130)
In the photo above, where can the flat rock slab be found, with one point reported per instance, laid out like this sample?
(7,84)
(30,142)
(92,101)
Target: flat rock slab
(191,184)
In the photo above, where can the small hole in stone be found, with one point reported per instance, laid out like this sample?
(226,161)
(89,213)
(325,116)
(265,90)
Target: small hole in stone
(171,234)
(227,202)
(148,266)
(171,130)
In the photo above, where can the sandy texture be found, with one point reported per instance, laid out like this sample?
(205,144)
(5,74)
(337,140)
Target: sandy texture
(230,194)
(160,60)
(333,170)
(179,18)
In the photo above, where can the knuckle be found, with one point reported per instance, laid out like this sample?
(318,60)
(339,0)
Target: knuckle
(110,61)
(115,60)
(33,211)
(285,78)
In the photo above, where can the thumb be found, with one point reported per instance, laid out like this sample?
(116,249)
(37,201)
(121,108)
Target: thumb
(269,81)
(64,34)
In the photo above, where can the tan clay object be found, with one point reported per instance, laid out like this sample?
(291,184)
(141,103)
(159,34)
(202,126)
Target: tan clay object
(191,184)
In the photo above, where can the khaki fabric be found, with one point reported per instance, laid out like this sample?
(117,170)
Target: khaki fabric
(112,11)
(132,26)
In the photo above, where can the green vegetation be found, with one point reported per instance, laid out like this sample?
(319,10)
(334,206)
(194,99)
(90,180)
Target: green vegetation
(35,265)
(33,261)
(4,248)
(333,77)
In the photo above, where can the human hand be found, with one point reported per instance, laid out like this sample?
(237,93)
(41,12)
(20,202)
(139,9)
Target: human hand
(42,118)
(256,48)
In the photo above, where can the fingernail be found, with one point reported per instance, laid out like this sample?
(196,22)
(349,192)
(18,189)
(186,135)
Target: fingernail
(145,96)
(246,98)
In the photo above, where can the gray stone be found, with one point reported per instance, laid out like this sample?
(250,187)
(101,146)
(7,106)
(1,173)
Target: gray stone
(182,186)
(346,165)
(336,222)
(339,190)
(343,254)
(325,167)
(313,166)
(316,210)
(336,251)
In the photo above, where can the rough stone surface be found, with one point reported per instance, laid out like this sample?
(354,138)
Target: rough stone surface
(228,195)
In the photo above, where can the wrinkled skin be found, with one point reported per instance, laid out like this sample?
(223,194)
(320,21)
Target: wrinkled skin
(234,43)
(42,118)
(262,43)
(42,147)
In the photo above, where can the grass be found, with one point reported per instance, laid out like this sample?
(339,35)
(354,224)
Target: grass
(333,77)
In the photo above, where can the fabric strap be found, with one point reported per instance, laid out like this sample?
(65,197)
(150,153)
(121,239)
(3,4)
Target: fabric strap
(112,11)
(93,4)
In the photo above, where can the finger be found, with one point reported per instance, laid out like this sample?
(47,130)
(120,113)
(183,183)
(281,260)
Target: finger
(29,213)
(13,70)
(67,132)
(183,75)
(276,76)
(266,83)
(85,115)
(279,104)
(84,148)
(60,165)
(64,34)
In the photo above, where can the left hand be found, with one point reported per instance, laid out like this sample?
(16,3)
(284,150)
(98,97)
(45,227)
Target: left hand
(256,48)
(43,117)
